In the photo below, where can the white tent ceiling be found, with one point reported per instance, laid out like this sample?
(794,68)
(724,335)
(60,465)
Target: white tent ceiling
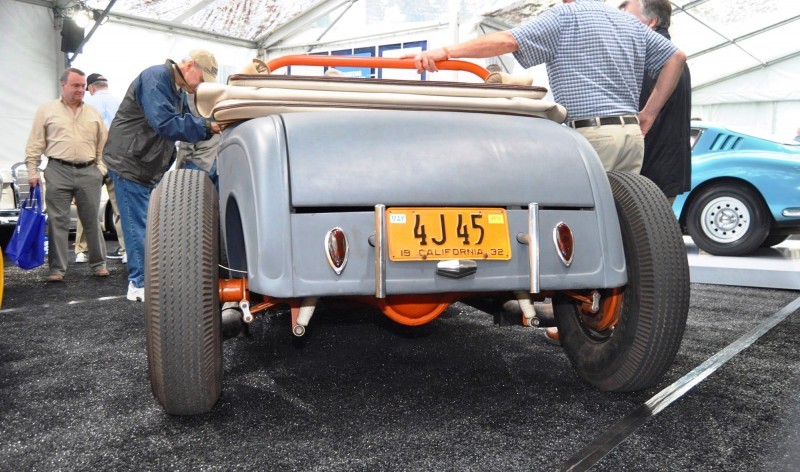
(250,22)
(723,38)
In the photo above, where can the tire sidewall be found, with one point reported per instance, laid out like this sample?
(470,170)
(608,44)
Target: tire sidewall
(654,304)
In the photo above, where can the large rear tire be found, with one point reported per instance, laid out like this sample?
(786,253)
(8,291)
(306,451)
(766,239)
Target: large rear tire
(649,313)
(182,311)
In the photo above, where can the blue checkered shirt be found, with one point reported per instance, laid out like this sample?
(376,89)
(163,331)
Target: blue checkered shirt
(596,56)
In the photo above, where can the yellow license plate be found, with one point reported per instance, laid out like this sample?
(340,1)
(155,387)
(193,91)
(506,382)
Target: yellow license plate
(418,234)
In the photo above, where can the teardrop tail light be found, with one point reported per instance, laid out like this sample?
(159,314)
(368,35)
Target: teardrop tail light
(565,243)
(336,249)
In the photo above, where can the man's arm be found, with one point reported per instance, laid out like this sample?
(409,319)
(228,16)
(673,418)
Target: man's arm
(37,142)
(490,45)
(157,99)
(102,137)
(667,80)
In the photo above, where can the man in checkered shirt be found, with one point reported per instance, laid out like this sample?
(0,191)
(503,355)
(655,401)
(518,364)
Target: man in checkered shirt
(596,58)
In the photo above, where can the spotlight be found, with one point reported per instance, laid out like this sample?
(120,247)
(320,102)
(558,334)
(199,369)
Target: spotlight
(82,18)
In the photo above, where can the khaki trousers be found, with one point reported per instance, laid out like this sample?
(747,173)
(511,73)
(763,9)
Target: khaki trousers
(63,184)
(80,239)
(620,147)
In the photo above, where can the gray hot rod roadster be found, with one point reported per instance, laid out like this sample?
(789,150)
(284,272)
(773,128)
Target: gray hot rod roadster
(410,196)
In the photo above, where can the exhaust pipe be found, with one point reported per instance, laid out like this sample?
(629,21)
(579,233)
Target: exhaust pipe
(302,315)
(529,318)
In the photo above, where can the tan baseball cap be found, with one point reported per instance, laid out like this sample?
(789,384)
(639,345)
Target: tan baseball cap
(207,63)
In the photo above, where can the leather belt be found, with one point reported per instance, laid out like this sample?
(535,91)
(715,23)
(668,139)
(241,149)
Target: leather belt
(76,165)
(605,120)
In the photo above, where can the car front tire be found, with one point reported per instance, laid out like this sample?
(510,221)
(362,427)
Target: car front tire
(182,310)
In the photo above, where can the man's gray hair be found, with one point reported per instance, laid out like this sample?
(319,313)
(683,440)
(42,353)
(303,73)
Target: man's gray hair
(100,84)
(66,72)
(660,10)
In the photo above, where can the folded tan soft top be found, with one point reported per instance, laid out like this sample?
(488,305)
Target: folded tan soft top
(251,96)
(414,87)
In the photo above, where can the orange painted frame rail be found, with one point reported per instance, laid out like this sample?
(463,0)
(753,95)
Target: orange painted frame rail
(371,62)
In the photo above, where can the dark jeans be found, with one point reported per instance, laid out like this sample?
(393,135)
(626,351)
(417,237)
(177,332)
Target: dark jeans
(133,199)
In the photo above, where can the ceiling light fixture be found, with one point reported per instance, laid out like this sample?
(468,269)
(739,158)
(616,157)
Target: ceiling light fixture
(80,13)
(82,18)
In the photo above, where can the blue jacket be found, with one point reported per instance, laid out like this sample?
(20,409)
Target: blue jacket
(153,115)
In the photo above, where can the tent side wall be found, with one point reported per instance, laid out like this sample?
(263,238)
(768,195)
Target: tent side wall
(31,60)
(766,99)
(394,43)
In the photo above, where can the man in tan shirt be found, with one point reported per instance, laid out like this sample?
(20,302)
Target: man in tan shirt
(71,135)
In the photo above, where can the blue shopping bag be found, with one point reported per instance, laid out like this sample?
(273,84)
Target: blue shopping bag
(26,247)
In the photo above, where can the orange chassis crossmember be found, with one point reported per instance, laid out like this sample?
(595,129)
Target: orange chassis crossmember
(599,313)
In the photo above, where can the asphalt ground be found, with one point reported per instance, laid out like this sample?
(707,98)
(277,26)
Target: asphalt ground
(359,392)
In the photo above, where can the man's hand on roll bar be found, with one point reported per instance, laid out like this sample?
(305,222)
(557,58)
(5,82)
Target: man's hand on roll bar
(426,60)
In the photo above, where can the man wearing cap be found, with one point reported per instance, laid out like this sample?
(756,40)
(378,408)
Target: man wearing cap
(72,136)
(100,98)
(141,144)
(107,105)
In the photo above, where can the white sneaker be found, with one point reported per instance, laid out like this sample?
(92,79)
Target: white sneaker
(124,257)
(135,294)
(81,257)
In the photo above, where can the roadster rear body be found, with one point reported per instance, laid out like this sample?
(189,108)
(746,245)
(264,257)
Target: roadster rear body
(408,196)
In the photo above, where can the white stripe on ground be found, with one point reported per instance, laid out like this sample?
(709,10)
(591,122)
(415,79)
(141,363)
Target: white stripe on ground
(51,305)
(605,442)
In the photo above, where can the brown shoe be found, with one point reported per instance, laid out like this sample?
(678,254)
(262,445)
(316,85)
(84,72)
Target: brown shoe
(552,336)
(56,277)
(101,272)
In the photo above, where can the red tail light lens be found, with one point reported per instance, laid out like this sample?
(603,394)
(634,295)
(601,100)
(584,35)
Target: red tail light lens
(565,244)
(336,249)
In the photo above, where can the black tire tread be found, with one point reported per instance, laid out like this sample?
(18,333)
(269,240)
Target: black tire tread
(181,294)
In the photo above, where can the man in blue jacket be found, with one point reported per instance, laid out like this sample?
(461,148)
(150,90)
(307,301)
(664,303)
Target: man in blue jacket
(141,144)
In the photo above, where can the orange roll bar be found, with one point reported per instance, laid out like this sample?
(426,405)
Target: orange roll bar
(371,62)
